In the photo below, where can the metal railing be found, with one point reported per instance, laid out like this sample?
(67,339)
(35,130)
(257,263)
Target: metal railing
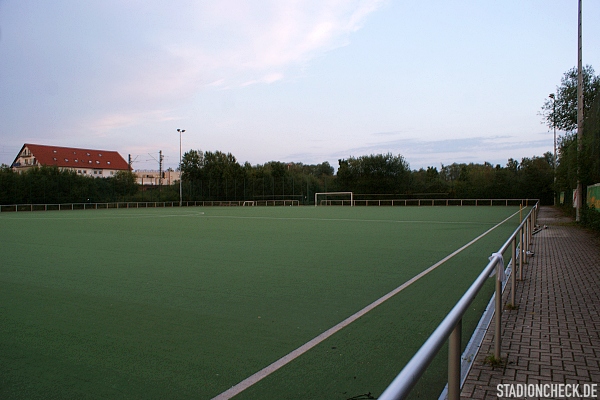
(451,327)
(139,204)
(425,202)
(286,202)
(443,202)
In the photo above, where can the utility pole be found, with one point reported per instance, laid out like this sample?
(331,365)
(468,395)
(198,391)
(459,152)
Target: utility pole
(579,193)
(160,162)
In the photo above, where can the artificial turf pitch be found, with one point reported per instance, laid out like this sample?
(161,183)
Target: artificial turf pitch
(187,302)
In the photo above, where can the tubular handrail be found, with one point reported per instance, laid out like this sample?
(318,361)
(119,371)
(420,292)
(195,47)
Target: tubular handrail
(136,204)
(410,374)
(401,386)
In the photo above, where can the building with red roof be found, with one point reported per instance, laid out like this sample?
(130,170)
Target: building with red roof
(89,162)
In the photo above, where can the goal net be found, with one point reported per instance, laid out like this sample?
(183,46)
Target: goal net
(334,199)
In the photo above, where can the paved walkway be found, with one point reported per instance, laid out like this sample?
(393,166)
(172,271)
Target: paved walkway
(554,336)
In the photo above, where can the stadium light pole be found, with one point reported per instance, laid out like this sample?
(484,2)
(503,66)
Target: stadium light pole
(554,126)
(180,172)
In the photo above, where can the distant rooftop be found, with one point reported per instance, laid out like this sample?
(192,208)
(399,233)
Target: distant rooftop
(68,157)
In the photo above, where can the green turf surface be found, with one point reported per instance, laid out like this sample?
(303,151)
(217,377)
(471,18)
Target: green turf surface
(185,303)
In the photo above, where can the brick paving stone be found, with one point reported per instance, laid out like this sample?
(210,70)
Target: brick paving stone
(554,336)
(558,377)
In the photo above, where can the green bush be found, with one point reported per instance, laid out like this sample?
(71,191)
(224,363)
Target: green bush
(590,218)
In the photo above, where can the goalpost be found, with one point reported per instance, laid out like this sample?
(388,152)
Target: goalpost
(334,199)
(248,203)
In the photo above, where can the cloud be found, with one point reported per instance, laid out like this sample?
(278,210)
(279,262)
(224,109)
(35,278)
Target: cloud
(275,34)
(262,40)
(112,64)
(449,146)
(390,133)
(235,43)
(424,153)
(123,120)
(269,78)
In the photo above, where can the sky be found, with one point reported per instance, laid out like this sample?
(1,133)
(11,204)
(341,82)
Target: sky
(434,81)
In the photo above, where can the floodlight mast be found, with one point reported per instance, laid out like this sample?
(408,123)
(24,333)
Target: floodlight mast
(180,172)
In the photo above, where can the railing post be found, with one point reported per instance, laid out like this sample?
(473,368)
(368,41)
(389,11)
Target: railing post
(498,313)
(513,273)
(521,254)
(529,232)
(526,241)
(454,348)
(531,226)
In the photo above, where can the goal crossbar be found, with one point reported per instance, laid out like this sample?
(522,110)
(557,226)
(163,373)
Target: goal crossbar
(351,194)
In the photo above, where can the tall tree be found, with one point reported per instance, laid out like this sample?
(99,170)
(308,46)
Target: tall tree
(191,165)
(573,165)
(562,111)
(381,173)
(591,143)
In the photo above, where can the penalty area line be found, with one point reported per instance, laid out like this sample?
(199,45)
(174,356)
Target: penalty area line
(263,373)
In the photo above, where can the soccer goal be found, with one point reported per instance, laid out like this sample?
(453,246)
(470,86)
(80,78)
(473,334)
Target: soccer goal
(248,203)
(334,199)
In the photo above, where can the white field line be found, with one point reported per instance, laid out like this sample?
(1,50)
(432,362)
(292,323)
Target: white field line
(350,220)
(263,373)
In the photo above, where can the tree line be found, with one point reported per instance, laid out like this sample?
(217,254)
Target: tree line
(50,185)
(560,112)
(210,176)
(216,175)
